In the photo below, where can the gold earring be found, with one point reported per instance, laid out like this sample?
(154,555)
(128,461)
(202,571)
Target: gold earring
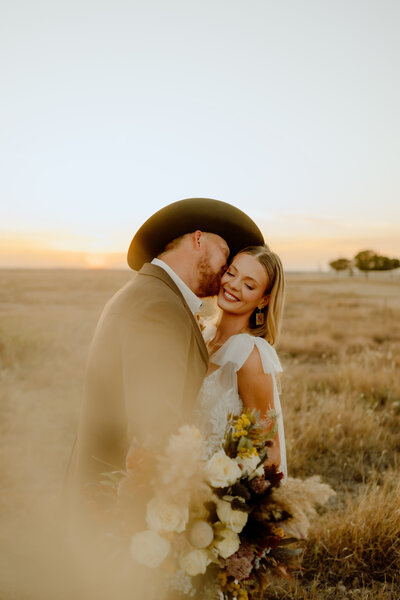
(260,317)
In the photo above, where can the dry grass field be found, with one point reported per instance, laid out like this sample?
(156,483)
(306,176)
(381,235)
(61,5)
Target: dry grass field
(341,400)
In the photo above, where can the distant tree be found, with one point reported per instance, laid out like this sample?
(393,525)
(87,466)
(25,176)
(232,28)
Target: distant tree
(341,264)
(384,263)
(395,263)
(368,260)
(365,260)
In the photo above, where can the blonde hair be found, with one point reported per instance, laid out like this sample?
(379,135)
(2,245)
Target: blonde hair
(275,289)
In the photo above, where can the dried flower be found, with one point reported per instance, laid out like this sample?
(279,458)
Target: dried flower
(234,519)
(164,516)
(227,542)
(239,565)
(149,549)
(221,470)
(259,485)
(195,562)
(201,534)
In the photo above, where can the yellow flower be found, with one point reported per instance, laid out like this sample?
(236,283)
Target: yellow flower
(277,531)
(237,434)
(246,420)
(242,422)
(247,453)
(223,579)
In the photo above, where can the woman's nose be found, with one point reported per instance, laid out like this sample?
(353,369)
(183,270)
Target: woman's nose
(234,283)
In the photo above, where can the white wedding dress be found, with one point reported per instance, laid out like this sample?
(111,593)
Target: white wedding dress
(219,397)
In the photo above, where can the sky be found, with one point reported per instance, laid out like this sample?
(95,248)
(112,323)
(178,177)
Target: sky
(112,109)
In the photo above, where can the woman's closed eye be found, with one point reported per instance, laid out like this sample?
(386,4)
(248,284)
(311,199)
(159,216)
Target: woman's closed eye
(250,287)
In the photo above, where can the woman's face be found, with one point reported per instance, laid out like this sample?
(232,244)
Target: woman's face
(243,286)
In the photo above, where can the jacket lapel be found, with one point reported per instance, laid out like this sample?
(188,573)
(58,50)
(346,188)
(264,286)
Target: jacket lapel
(156,271)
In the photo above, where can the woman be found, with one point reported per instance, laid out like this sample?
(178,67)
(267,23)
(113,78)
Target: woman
(243,363)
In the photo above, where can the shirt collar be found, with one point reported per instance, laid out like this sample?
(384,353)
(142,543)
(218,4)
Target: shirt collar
(193,302)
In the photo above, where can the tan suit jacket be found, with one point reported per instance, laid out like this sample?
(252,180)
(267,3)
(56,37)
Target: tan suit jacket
(146,364)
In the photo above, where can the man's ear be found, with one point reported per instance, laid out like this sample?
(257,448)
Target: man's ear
(197,237)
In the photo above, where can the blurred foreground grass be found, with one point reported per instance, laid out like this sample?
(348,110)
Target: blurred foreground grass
(341,400)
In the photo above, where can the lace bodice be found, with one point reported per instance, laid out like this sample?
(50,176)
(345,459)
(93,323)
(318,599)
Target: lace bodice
(219,395)
(217,399)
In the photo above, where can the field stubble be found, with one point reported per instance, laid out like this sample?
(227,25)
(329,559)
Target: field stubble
(340,350)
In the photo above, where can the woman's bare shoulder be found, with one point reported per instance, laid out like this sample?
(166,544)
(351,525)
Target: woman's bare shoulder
(253,364)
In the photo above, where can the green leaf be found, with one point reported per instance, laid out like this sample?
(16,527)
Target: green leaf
(272,432)
(241,444)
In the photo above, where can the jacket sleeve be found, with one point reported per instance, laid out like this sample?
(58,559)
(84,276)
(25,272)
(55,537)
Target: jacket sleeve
(155,353)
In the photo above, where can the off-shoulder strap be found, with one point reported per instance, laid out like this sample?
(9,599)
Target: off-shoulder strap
(238,348)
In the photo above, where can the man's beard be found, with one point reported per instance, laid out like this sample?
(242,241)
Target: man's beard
(209,282)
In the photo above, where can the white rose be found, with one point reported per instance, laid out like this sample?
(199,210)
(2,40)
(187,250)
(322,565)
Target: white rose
(201,534)
(234,519)
(149,549)
(249,465)
(195,562)
(221,471)
(162,516)
(227,542)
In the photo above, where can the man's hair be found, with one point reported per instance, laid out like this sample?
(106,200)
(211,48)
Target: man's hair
(173,244)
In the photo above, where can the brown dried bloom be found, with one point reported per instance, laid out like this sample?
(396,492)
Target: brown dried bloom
(239,565)
(259,485)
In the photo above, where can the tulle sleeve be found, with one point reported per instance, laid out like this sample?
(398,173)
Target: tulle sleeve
(238,349)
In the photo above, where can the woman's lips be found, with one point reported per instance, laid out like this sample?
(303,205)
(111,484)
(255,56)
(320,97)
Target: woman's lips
(230,297)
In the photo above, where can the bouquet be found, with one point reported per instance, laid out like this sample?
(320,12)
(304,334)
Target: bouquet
(228,521)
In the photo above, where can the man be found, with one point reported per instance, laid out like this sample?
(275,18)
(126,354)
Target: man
(148,359)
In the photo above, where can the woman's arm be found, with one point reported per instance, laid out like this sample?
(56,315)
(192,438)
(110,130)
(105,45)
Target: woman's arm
(257,392)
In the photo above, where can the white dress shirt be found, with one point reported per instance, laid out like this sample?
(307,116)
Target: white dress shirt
(193,302)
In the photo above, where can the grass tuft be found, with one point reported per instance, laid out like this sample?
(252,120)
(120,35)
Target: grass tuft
(360,544)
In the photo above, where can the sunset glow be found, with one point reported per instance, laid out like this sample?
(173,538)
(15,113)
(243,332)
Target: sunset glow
(111,112)
(301,251)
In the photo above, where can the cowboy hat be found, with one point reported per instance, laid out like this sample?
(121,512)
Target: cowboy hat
(186,216)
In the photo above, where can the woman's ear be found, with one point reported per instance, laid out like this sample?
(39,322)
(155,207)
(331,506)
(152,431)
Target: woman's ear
(264,302)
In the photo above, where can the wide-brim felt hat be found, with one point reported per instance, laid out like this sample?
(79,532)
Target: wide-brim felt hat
(186,216)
